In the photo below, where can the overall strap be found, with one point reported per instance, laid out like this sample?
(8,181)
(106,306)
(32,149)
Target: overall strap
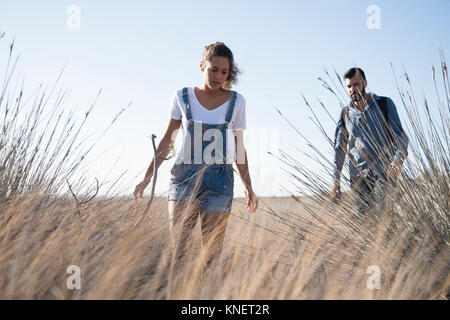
(231,107)
(186,104)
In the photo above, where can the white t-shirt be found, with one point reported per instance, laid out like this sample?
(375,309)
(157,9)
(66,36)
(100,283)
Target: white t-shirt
(215,116)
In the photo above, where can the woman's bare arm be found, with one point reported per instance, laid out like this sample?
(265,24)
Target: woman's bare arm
(162,151)
(242,167)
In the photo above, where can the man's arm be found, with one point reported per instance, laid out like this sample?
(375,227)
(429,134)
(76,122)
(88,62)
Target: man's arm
(340,145)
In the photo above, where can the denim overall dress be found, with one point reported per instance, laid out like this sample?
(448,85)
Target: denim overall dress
(203,175)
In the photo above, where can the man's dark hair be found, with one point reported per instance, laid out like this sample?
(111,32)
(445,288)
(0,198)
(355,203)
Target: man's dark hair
(352,71)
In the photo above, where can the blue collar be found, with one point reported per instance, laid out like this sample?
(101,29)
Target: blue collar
(369,102)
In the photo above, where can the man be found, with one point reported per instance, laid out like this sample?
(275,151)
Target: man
(369,131)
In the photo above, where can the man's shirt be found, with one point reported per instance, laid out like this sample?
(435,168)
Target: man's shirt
(370,141)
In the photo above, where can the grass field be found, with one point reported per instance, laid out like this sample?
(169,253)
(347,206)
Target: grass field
(263,257)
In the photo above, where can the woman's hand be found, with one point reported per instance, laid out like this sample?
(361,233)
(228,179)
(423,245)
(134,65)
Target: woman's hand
(252,201)
(139,190)
(336,191)
(394,169)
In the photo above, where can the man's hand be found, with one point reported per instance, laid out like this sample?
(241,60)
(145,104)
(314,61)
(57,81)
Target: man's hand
(336,191)
(394,169)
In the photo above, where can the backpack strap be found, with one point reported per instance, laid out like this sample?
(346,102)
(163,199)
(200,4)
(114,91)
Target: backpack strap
(231,107)
(382,104)
(186,104)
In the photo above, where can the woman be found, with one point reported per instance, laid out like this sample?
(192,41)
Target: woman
(212,119)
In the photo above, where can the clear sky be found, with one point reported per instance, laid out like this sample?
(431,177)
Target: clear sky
(144,50)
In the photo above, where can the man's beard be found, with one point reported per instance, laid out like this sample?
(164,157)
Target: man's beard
(357,97)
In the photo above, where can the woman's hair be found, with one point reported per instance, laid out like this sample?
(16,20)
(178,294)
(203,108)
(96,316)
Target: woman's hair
(219,49)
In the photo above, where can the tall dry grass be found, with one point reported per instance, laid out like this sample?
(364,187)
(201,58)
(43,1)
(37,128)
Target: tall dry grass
(302,247)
